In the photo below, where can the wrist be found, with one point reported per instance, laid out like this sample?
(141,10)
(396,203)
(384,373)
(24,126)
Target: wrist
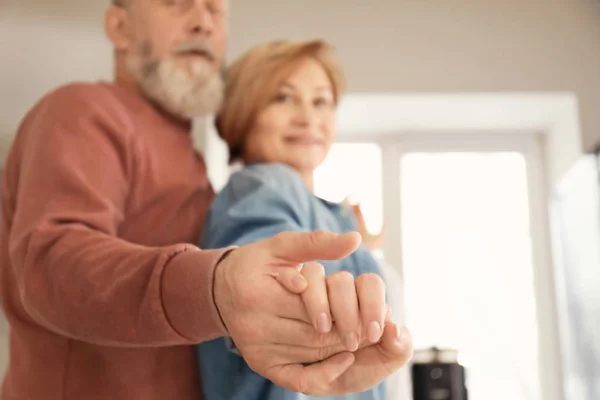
(187,297)
(220,286)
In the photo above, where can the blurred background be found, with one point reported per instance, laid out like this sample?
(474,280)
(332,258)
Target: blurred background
(469,131)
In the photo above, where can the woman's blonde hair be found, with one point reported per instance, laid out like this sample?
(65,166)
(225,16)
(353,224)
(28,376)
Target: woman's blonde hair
(252,81)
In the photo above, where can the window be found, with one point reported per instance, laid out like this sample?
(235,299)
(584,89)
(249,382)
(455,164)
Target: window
(467,266)
(462,219)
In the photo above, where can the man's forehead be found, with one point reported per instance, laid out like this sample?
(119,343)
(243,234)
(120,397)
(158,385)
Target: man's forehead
(124,3)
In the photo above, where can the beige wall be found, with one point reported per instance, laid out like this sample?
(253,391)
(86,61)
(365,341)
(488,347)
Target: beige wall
(5,143)
(446,46)
(385,45)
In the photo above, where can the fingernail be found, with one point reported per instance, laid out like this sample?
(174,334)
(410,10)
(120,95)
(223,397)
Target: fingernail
(323,323)
(399,334)
(374,332)
(299,282)
(351,341)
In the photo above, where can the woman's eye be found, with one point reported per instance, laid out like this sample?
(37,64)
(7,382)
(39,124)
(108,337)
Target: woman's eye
(321,101)
(283,98)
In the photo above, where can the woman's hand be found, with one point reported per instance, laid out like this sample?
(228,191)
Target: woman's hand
(372,241)
(355,310)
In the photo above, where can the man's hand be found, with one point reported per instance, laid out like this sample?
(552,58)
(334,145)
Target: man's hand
(268,323)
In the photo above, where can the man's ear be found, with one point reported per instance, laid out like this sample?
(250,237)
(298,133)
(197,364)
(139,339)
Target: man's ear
(117,25)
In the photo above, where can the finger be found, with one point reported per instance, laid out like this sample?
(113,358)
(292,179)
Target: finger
(376,362)
(315,379)
(315,297)
(280,301)
(291,279)
(359,215)
(299,247)
(343,302)
(378,237)
(288,354)
(298,342)
(371,301)
(291,332)
(388,314)
(396,345)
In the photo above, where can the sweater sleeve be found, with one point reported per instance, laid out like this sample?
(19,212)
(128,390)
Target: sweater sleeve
(75,276)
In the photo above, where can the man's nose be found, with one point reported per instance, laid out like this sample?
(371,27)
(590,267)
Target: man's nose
(200,19)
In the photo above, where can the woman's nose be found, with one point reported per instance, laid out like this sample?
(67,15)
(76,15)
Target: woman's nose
(305,115)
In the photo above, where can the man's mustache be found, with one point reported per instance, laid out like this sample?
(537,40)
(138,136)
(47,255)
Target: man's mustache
(196,45)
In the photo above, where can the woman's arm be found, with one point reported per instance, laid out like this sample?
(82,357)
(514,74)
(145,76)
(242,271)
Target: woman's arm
(257,203)
(265,199)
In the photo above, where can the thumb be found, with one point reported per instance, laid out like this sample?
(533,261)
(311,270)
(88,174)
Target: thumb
(396,345)
(300,247)
(315,379)
(291,279)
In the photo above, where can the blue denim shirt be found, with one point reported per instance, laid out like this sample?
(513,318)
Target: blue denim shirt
(260,201)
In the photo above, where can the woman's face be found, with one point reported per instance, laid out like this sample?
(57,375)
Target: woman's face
(297,126)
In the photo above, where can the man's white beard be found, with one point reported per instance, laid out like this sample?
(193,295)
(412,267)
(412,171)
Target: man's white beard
(185,94)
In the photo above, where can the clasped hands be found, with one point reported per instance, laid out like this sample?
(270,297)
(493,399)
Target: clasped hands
(307,332)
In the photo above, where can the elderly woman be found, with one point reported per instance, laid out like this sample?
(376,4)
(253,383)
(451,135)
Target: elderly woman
(278,120)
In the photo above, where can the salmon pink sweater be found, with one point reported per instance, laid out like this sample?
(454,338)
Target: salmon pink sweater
(102,194)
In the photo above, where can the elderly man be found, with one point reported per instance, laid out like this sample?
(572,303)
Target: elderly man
(102,194)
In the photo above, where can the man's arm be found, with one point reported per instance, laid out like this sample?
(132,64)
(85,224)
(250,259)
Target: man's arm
(75,276)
